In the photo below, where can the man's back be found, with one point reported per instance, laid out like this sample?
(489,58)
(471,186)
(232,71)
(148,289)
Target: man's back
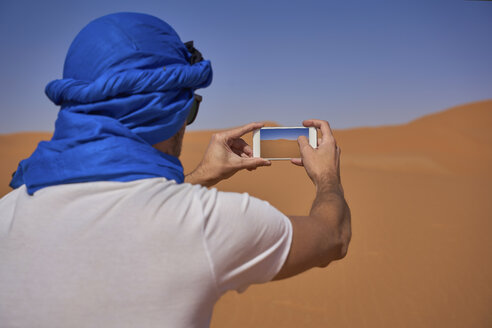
(148,253)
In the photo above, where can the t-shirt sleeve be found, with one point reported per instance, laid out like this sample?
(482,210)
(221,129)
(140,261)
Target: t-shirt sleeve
(247,239)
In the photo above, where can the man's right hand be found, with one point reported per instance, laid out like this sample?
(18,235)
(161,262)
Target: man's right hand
(323,163)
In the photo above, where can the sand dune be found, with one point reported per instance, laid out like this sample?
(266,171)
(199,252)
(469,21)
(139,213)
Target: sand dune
(421,249)
(280,148)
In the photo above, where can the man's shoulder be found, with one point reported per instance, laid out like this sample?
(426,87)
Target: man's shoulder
(12,194)
(142,193)
(137,189)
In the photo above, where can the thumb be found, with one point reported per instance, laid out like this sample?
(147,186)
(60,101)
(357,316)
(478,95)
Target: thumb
(304,146)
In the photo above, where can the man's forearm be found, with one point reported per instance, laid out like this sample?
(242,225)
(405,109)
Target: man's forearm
(331,208)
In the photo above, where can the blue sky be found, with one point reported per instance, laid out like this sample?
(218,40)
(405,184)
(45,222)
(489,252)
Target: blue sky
(354,63)
(290,134)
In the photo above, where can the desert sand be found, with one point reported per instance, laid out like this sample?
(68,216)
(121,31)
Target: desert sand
(421,252)
(280,148)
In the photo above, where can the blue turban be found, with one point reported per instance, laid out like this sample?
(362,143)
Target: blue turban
(127,84)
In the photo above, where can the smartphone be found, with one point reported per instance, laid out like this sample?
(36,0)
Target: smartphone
(280,143)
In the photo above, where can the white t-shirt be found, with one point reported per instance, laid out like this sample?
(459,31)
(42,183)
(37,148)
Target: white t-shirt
(146,253)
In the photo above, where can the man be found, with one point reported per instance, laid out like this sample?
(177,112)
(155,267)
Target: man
(104,230)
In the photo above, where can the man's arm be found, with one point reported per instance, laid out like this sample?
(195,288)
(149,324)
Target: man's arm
(324,235)
(319,238)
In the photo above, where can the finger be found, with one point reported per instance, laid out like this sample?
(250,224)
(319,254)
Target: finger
(248,150)
(303,145)
(242,147)
(296,161)
(240,131)
(324,126)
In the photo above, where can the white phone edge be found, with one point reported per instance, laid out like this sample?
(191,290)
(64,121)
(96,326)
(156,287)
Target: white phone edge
(313,139)
(256,143)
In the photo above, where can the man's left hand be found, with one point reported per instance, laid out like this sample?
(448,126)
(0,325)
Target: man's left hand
(226,154)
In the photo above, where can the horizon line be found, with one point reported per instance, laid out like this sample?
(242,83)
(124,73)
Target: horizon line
(273,123)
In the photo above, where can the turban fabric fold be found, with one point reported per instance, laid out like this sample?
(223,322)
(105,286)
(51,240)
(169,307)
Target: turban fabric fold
(128,83)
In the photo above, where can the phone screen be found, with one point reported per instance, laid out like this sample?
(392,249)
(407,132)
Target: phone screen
(281,143)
